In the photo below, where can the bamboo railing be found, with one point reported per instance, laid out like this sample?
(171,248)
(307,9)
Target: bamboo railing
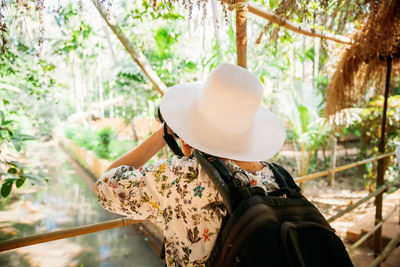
(358,203)
(341,168)
(386,251)
(367,235)
(75,231)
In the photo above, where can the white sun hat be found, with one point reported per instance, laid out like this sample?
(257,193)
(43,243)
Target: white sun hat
(224,117)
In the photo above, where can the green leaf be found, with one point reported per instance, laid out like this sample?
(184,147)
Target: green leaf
(2,116)
(6,187)
(20,182)
(310,54)
(304,117)
(5,122)
(16,164)
(31,176)
(17,145)
(26,137)
(12,170)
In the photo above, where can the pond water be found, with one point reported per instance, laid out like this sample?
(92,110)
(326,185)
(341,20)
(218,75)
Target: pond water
(67,200)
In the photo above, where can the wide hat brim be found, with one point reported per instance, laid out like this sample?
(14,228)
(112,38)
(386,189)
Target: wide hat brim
(262,141)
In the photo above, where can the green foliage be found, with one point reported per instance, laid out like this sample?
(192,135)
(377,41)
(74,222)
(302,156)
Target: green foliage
(308,130)
(138,96)
(165,37)
(105,136)
(119,147)
(165,58)
(16,69)
(103,143)
(367,122)
(16,172)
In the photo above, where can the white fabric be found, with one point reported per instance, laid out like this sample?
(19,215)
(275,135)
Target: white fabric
(224,117)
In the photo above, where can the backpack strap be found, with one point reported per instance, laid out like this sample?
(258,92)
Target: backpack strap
(285,182)
(282,177)
(222,179)
(288,178)
(170,140)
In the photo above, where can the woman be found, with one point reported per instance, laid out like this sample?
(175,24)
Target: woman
(222,117)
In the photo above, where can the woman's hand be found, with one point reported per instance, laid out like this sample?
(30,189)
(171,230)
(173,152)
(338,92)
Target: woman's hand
(138,156)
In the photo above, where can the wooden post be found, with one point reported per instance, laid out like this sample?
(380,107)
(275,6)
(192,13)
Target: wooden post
(381,170)
(398,164)
(241,32)
(333,161)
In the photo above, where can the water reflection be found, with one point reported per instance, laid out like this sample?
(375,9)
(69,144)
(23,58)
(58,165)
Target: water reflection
(67,201)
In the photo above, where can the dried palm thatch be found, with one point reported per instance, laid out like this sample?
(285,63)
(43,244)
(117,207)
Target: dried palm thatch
(361,70)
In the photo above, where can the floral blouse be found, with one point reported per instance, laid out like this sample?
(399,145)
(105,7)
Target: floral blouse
(180,197)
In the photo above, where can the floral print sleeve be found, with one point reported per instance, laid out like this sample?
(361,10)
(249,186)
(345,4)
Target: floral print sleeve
(136,193)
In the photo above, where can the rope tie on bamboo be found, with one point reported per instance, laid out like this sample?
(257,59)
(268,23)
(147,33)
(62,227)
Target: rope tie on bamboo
(239,5)
(124,222)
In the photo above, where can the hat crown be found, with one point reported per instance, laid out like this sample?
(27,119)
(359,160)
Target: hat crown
(230,98)
(223,116)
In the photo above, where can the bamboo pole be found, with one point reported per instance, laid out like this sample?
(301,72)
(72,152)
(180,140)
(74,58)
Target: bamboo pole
(381,163)
(388,249)
(241,32)
(296,28)
(51,236)
(138,57)
(365,237)
(358,203)
(341,168)
(333,161)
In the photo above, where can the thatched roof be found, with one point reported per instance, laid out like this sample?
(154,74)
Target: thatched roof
(362,67)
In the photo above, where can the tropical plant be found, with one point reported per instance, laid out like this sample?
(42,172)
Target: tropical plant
(308,130)
(11,170)
(104,143)
(366,122)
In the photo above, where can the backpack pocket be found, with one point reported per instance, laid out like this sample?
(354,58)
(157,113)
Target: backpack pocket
(310,244)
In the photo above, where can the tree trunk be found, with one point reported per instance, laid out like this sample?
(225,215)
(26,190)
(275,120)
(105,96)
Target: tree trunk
(101,94)
(73,87)
(113,55)
(138,57)
(317,44)
(215,20)
(111,107)
(135,138)
(303,76)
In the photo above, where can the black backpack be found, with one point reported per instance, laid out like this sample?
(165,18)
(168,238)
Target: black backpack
(281,228)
